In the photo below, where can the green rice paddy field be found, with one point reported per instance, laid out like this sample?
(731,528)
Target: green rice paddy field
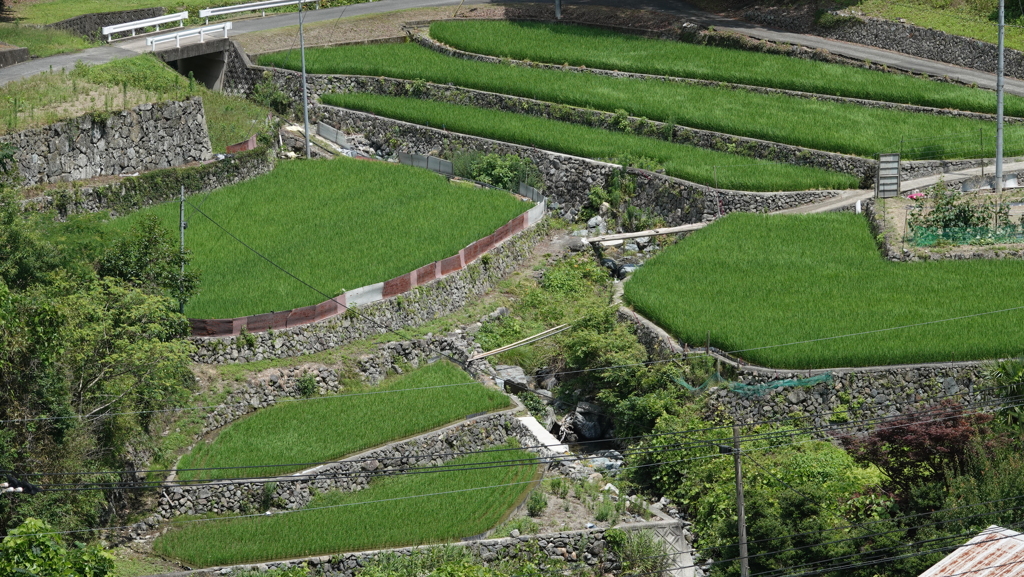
(322,429)
(604,49)
(758,282)
(391,512)
(338,225)
(701,165)
(836,127)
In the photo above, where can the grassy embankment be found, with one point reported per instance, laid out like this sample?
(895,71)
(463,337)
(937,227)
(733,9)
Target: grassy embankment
(757,281)
(975,19)
(835,127)
(701,165)
(338,225)
(116,86)
(391,512)
(338,425)
(42,42)
(604,49)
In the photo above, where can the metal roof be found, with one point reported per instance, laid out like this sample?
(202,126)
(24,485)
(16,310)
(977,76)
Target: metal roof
(995,552)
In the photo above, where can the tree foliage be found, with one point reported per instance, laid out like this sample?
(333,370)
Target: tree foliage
(918,449)
(27,550)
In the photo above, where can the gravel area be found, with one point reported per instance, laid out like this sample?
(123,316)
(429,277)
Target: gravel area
(389,24)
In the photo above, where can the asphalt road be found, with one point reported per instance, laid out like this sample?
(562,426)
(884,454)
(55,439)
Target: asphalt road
(877,55)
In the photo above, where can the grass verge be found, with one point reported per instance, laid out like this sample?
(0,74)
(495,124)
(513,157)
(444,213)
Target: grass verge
(598,48)
(336,426)
(680,160)
(975,19)
(831,126)
(755,281)
(119,85)
(406,512)
(42,42)
(338,225)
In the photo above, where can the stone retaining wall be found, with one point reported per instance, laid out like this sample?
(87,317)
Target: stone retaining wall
(134,192)
(147,137)
(91,25)
(853,394)
(414,308)
(568,179)
(354,474)
(585,546)
(895,36)
(269,387)
(862,168)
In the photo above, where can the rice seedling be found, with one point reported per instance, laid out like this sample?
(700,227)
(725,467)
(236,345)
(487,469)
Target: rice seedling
(604,49)
(759,283)
(338,225)
(836,127)
(701,165)
(391,512)
(328,428)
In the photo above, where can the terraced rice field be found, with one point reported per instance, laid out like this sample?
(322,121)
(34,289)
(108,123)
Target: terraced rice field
(783,291)
(335,426)
(597,48)
(331,223)
(718,169)
(392,512)
(830,126)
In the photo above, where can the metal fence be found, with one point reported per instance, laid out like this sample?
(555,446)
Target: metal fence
(438,165)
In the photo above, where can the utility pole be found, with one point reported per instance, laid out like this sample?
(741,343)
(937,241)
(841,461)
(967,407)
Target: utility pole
(558,9)
(305,97)
(744,563)
(181,247)
(999,102)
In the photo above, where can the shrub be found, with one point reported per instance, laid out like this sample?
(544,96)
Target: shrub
(533,404)
(307,385)
(536,504)
(267,93)
(25,551)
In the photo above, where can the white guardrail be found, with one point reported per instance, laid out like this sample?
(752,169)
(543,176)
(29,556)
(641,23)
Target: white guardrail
(200,32)
(180,17)
(251,7)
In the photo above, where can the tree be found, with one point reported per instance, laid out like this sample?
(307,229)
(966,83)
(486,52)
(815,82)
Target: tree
(24,257)
(918,449)
(28,551)
(148,258)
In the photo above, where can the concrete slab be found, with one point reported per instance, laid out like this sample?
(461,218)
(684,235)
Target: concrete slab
(543,436)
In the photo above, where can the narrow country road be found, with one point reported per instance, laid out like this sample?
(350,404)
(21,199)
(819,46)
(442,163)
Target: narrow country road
(893,59)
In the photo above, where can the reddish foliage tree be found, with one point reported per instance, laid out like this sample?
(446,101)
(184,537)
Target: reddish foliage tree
(915,449)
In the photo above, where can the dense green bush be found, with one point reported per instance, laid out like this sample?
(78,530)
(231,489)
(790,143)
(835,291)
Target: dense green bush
(26,552)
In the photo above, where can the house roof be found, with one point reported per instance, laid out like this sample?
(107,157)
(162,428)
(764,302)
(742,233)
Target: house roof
(995,552)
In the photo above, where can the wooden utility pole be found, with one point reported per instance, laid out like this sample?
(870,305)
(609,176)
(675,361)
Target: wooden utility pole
(744,563)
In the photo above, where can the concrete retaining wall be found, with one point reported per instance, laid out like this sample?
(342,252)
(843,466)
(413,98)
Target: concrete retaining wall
(147,137)
(90,25)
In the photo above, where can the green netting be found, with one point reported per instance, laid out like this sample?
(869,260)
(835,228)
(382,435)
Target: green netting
(716,380)
(980,235)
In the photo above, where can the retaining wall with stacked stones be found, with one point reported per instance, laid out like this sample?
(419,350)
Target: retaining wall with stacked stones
(269,387)
(569,179)
(134,192)
(853,393)
(587,546)
(896,36)
(147,137)
(352,474)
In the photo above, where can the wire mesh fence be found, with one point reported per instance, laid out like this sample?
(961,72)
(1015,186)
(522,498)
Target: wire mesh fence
(975,235)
